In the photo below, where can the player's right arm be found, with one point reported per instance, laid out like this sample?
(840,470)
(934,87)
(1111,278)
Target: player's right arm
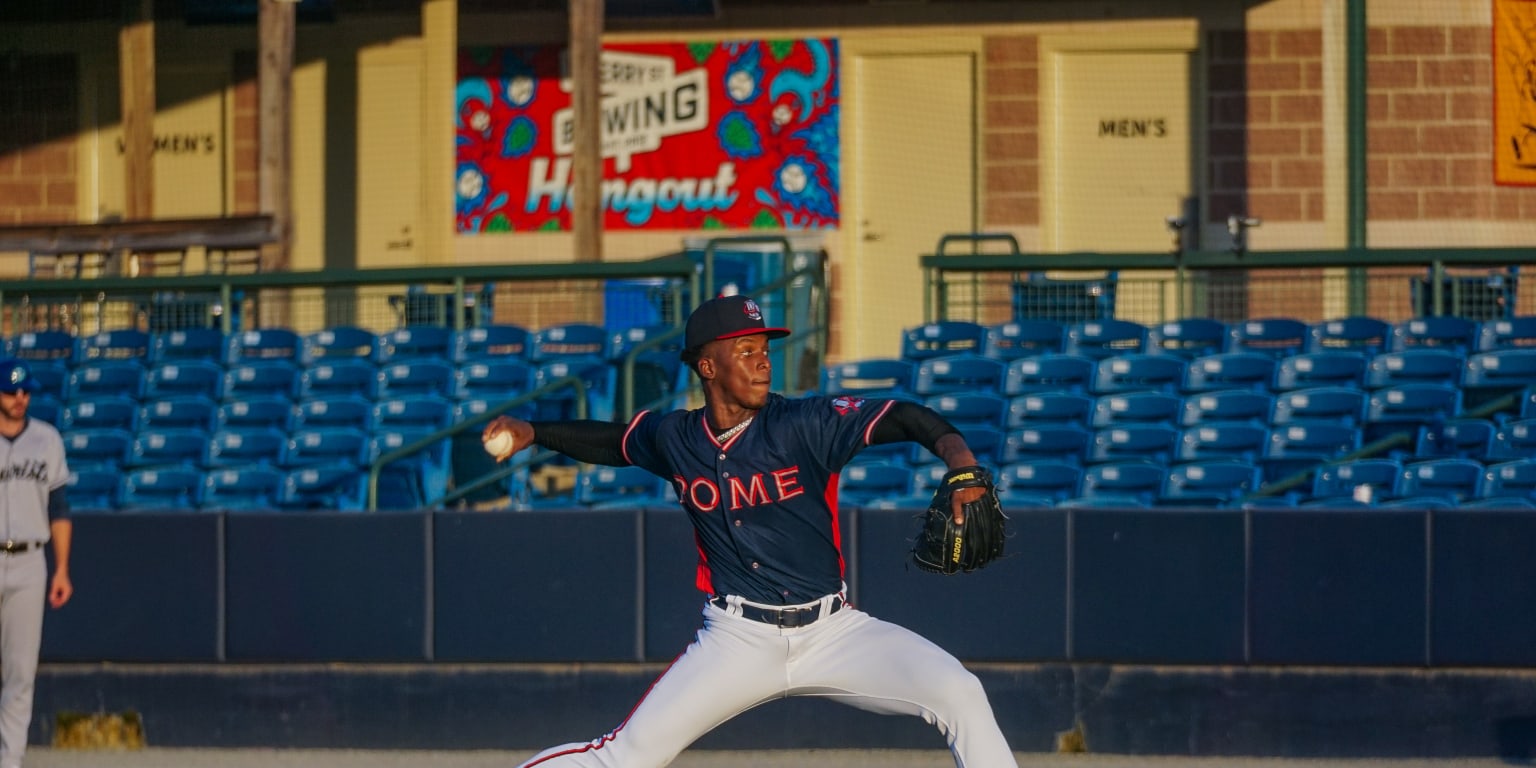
(588,441)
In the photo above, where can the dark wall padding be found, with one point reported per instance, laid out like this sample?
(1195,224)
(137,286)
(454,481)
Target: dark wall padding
(146,589)
(1484,587)
(542,585)
(318,586)
(1338,587)
(1156,587)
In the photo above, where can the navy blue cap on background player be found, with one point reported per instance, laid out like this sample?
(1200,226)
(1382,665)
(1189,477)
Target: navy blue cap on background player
(727,317)
(15,376)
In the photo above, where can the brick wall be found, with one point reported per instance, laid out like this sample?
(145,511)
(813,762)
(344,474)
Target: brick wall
(1010,162)
(39,119)
(246,138)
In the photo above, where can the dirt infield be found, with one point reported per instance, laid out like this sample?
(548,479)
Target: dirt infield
(309,758)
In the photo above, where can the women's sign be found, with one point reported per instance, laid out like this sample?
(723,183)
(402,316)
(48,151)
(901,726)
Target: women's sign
(702,135)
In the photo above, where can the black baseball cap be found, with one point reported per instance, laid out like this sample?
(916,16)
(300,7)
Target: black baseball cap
(727,317)
(15,377)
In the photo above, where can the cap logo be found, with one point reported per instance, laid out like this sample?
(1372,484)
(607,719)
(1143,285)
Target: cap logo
(18,375)
(750,307)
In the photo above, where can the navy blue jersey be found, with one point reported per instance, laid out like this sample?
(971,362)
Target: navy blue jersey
(764,503)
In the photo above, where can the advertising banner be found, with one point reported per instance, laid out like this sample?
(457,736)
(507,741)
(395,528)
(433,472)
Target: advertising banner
(1514,92)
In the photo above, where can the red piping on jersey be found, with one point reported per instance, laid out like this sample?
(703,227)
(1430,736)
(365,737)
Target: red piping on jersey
(624,441)
(603,740)
(869,431)
(830,494)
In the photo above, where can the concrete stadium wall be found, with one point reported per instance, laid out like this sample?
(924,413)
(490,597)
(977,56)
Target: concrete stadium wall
(1279,632)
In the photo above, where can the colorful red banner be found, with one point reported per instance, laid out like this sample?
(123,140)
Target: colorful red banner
(703,135)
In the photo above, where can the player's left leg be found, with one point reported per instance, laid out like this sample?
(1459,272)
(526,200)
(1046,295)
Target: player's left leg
(23,584)
(878,666)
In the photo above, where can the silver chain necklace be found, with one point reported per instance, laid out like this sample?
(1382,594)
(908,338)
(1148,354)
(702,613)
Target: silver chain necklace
(732,432)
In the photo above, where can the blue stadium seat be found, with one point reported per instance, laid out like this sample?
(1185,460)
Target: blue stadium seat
(1048,373)
(1136,372)
(1273,336)
(1496,503)
(242,488)
(326,445)
(38,346)
(971,409)
(246,446)
(344,410)
(187,344)
(1023,338)
(415,342)
(490,342)
(959,373)
(1419,503)
(169,446)
(414,480)
(1513,440)
(501,379)
(1227,405)
(1504,368)
(599,377)
(120,344)
(1453,479)
(660,379)
(262,344)
(94,488)
(859,484)
(871,377)
(988,443)
(100,446)
(1450,332)
(1510,479)
(182,411)
(1359,333)
(1042,482)
(47,408)
(106,377)
(1345,480)
(335,487)
(262,377)
(568,341)
(1135,408)
(1216,482)
(414,377)
(1062,442)
(1126,442)
(342,342)
(1406,407)
(1509,333)
(51,378)
(185,377)
(1229,370)
(1188,338)
(1098,339)
(610,487)
(1342,404)
(338,376)
(1421,365)
(1301,445)
(165,488)
(429,412)
(256,411)
(100,411)
(943,339)
(1242,441)
(1528,403)
(1464,438)
(1048,408)
(1131,483)
(1327,368)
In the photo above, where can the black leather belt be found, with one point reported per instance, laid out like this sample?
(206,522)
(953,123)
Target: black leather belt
(792,616)
(18,547)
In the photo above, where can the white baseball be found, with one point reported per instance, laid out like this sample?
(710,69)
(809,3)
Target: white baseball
(500,444)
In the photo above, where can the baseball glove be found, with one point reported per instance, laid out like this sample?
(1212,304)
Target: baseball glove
(944,547)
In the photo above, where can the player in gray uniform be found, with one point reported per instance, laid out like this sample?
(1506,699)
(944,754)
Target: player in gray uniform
(32,479)
(757,474)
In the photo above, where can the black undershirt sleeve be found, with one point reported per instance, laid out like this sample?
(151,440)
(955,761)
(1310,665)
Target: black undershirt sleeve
(590,441)
(58,505)
(911,422)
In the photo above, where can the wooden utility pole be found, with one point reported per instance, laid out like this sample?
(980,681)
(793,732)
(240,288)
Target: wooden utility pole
(136,52)
(587,151)
(275,107)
